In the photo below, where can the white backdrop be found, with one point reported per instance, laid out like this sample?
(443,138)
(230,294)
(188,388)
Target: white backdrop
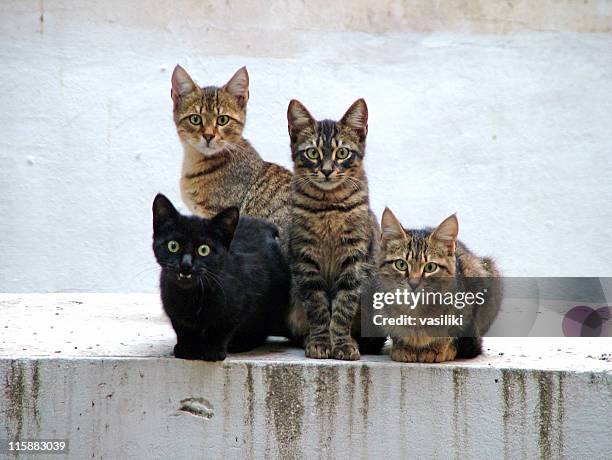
(511,130)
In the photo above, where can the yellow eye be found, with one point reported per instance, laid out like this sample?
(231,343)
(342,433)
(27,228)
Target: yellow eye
(401,265)
(430,267)
(312,154)
(195,119)
(203,250)
(173,246)
(343,153)
(222,120)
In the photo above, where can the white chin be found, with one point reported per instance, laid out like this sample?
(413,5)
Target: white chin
(327,185)
(206,150)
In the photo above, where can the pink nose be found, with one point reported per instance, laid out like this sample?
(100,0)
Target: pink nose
(208,137)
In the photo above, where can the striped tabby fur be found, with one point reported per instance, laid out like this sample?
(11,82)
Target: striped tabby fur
(220,167)
(412,251)
(332,235)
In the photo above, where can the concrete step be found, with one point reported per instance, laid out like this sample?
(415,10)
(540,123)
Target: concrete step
(97,369)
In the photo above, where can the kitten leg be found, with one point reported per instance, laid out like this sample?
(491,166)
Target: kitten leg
(402,351)
(188,342)
(308,290)
(215,343)
(469,347)
(344,309)
(318,344)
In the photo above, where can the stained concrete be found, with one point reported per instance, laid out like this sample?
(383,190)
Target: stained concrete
(97,369)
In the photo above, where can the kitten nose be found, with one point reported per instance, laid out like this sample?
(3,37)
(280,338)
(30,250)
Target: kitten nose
(414,282)
(327,172)
(208,137)
(186,262)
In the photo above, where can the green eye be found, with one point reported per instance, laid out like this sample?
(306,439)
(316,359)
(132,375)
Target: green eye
(173,246)
(203,250)
(195,119)
(401,265)
(222,120)
(342,153)
(312,154)
(430,267)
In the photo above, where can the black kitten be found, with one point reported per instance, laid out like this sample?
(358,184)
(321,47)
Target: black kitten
(224,281)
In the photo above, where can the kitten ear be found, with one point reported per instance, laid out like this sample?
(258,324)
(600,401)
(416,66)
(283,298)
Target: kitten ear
(238,86)
(446,233)
(163,210)
(391,227)
(226,221)
(298,117)
(182,84)
(356,117)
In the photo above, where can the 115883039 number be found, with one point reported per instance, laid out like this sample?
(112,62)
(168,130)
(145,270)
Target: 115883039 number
(33,446)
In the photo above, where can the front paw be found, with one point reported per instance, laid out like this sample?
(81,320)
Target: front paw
(213,355)
(423,355)
(448,353)
(183,351)
(346,351)
(318,349)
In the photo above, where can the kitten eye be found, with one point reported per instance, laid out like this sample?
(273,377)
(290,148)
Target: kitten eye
(195,119)
(401,265)
(222,120)
(173,246)
(430,267)
(343,153)
(312,154)
(203,250)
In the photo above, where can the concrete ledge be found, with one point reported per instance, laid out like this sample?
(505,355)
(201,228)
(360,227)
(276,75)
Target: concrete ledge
(97,369)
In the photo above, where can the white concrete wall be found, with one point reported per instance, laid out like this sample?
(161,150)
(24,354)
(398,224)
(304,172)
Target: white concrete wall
(256,409)
(500,111)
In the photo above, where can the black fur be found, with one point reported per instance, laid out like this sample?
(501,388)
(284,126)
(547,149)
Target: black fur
(468,347)
(228,300)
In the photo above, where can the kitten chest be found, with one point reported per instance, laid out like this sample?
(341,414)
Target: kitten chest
(339,237)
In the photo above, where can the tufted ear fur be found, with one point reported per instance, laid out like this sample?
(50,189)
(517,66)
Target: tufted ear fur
(163,210)
(182,84)
(226,221)
(391,228)
(356,117)
(238,86)
(446,233)
(298,118)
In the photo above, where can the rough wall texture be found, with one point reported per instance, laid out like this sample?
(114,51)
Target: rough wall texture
(510,130)
(132,408)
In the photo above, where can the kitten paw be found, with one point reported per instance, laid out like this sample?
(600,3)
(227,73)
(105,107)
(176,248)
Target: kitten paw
(448,354)
(213,355)
(403,355)
(346,351)
(318,349)
(183,352)
(411,355)
(434,356)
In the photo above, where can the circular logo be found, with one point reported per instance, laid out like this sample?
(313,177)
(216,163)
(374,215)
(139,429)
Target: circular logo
(583,321)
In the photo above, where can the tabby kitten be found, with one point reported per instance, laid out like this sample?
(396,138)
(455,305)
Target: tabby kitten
(433,259)
(220,167)
(224,281)
(332,234)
